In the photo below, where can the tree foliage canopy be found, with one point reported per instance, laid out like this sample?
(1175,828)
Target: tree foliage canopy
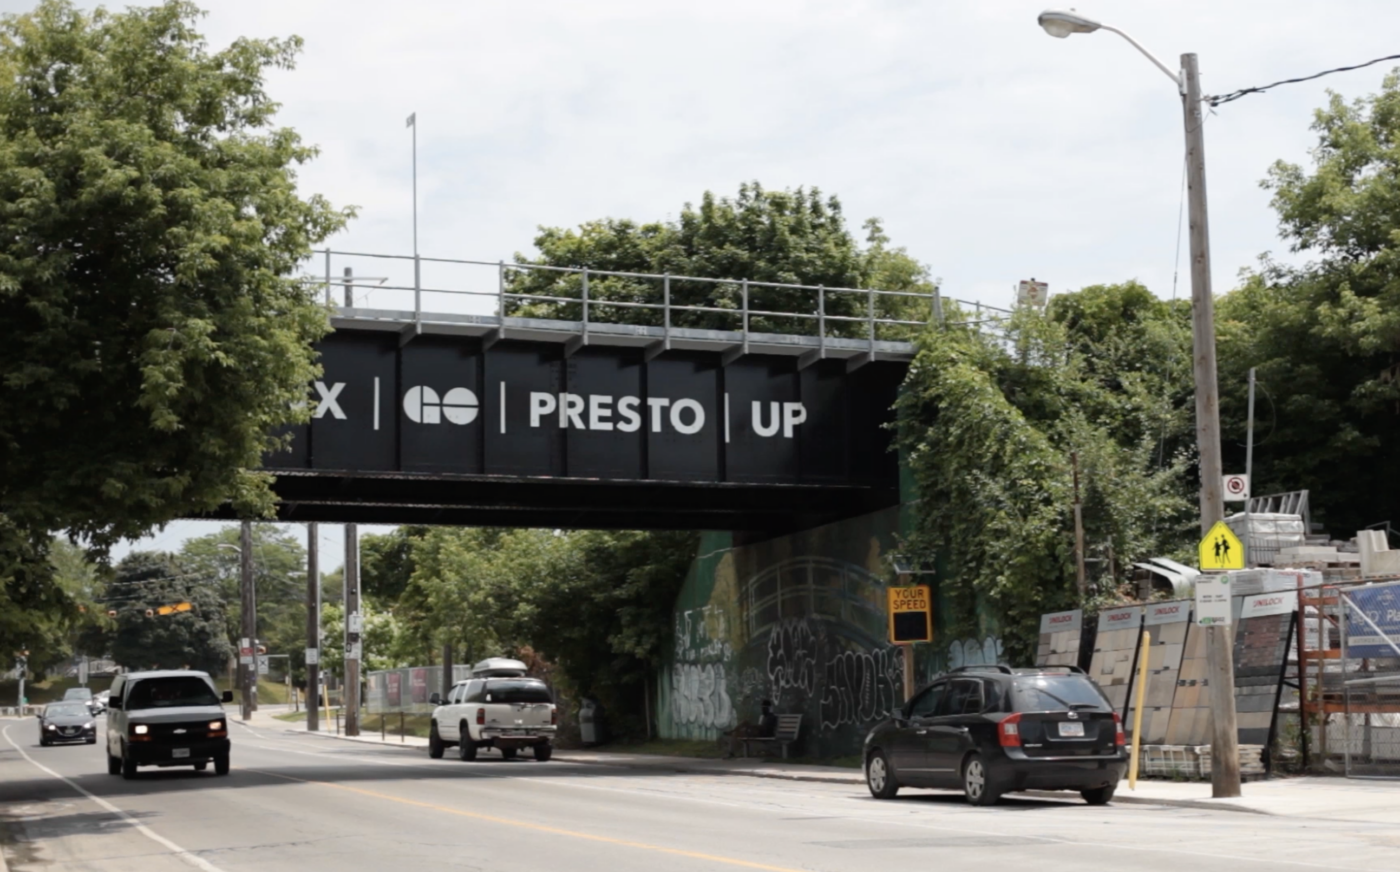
(194,639)
(783,237)
(152,335)
(1325,337)
(989,423)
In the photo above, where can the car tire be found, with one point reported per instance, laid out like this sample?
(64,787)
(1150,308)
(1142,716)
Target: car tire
(977,784)
(43,743)
(544,752)
(466,748)
(128,766)
(114,765)
(507,753)
(92,740)
(435,746)
(221,765)
(1099,795)
(879,776)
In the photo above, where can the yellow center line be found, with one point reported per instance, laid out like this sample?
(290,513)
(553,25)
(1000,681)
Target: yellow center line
(526,825)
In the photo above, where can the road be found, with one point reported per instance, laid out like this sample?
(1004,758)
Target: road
(302,802)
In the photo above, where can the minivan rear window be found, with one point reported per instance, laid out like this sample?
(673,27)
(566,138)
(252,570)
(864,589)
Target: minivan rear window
(509,690)
(170,692)
(1056,693)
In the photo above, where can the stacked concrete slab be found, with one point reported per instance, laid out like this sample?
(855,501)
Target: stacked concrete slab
(1060,633)
(1116,646)
(1168,623)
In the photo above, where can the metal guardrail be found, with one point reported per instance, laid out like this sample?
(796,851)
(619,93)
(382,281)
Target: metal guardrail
(479,286)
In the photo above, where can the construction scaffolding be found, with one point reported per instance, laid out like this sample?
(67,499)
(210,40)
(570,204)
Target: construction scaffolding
(1349,678)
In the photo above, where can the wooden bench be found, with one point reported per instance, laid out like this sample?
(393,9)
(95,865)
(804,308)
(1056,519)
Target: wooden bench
(786,734)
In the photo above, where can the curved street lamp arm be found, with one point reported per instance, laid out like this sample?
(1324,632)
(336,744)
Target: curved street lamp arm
(1175,77)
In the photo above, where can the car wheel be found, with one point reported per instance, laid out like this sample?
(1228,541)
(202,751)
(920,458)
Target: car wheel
(879,776)
(128,766)
(507,753)
(1099,795)
(466,748)
(544,752)
(114,764)
(435,746)
(977,785)
(221,765)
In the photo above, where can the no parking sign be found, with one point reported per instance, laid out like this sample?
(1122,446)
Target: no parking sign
(1235,488)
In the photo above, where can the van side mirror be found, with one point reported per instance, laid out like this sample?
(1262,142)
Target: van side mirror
(227,697)
(435,699)
(115,703)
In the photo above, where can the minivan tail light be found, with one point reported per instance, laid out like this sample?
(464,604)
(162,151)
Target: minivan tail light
(1119,738)
(480,716)
(1009,731)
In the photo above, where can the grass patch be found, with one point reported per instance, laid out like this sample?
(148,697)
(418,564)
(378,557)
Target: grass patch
(46,691)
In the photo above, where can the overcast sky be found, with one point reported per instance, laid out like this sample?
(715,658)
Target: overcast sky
(990,150)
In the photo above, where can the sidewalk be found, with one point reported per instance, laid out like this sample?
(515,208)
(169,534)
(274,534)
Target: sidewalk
(1318,797)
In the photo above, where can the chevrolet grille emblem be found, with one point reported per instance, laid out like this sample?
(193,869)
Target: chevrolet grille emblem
(180,732)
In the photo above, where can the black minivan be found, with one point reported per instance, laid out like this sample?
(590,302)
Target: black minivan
(991,730)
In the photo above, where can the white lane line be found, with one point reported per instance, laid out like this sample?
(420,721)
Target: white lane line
(193,860)
(245,726)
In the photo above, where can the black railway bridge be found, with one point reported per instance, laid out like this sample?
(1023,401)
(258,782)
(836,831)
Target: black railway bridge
(453,417)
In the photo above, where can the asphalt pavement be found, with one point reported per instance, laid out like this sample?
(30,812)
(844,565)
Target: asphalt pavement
(300,802)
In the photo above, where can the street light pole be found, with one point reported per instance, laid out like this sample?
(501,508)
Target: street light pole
(1225,761)
(247,675)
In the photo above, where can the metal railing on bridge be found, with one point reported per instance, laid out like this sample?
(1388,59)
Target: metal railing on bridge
(487,290)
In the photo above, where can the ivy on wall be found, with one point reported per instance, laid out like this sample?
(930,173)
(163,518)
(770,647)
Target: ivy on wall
(988,424)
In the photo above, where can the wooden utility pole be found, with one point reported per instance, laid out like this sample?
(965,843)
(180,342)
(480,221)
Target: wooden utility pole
(247,672)
(353,627)
(1080,578)
(1225,759)
(313,626)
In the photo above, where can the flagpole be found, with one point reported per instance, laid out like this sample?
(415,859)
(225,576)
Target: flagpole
(417,283)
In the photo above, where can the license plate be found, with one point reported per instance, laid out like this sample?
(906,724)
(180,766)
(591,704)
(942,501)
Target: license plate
(1071,728)
(177,753)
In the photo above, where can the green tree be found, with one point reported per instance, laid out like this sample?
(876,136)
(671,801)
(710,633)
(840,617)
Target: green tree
(989,424)
(782,237)
(195,639)
(279,578)
(1325,336)
(153,335)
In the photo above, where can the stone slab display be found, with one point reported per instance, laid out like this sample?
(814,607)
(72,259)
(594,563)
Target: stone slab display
(1168,623)
(1262,639)
(1059,638)
(1189,722)
(1115,653)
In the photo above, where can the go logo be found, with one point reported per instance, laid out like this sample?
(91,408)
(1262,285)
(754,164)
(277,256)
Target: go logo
(422,405)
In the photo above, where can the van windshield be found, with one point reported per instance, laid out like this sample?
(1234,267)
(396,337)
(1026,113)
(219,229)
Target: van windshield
(170,692)
(517,690)
(1057,693)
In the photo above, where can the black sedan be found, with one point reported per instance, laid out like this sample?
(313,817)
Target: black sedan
(67,722)
(994,730)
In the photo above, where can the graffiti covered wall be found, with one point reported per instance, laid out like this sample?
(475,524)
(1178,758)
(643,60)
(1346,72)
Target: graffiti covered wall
(800,620)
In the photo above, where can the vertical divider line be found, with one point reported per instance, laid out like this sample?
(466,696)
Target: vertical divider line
(376,402)
(726,417)
(503,406)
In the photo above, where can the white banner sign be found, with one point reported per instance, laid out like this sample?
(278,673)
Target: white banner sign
(1057,622)
(1120,619)
(1167,613)
(313,656)
(1212,600)
(1261,604)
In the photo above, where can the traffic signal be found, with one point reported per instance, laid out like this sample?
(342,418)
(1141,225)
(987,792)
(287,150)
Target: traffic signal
(111,613)
(150,613)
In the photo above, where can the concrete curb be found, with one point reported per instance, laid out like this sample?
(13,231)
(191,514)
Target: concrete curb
(812,777)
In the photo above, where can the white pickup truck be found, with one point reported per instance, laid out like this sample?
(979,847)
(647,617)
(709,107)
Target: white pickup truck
(498,707)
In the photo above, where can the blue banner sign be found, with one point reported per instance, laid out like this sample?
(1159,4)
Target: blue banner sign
(1381,604)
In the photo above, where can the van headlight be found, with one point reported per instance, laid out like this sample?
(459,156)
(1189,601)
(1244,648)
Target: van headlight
(216,725)
(140,729)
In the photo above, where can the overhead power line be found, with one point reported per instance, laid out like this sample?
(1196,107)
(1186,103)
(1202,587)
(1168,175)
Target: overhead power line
(1235,95)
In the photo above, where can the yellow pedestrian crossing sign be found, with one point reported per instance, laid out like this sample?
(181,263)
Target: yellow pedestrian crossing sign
(1221,549)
